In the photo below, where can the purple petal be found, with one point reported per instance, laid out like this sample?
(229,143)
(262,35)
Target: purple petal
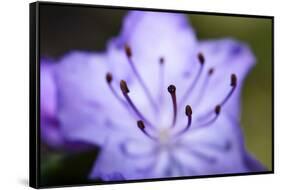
(48,89)
(152,35)
(112,161)
(86,106)
(80,78)
(226,57)
(253,164)
(50,132)
(222,142)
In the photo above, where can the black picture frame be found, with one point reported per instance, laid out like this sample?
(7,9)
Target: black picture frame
(34,91)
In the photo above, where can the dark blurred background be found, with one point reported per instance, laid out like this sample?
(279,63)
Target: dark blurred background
(65,28)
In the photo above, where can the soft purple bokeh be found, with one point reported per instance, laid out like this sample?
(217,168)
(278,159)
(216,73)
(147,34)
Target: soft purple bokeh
(78,105)
(51,130)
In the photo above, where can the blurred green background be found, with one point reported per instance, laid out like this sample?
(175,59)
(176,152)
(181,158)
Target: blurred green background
(64,28)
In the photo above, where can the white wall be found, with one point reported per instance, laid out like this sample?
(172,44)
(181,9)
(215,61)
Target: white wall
(14,39)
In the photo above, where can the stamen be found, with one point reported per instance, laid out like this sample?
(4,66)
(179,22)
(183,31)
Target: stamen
(217,112)
(233,84)
(128,52)
(141,126)
(188,113)
(109,79)
(161,79)
(124,87)
(161,60)
(211,71)
(194,82)
(125,90)
(172,91)
(201,58)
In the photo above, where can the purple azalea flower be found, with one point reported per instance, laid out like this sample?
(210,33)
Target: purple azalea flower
(159,102)
(51,131)
(48,105)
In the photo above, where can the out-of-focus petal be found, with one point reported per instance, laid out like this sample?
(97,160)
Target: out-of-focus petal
(50,132)
(253,164)
(48,98)
(87,109)
(80,78)
(152,35)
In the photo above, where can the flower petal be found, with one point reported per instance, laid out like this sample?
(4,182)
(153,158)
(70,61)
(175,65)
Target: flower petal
(50,133)
(253,164)
(48,99)
(49,130)
(112,160)
(152,35)
(226,57)
(84,96)
(221,141)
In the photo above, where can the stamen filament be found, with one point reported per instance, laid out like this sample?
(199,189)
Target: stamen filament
(141,126)
(109,79)
(195,81)
(128,52)
(161,80)
(125,90)
(233,84)
(172,91)
(211,121)
(204,87)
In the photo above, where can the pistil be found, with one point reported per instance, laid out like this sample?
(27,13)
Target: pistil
(172,91)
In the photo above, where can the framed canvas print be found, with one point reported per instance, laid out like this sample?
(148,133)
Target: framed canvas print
(120,94)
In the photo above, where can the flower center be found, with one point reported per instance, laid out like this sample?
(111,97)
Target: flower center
(164,136)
